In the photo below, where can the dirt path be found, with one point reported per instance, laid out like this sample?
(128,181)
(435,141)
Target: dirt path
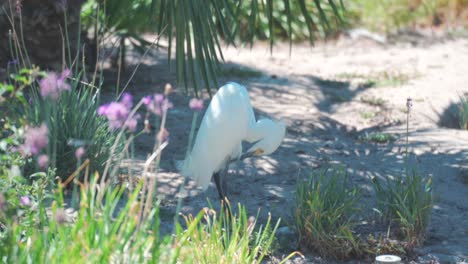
(330,96)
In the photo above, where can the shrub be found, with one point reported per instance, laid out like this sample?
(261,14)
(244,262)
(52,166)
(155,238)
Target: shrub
(323,215)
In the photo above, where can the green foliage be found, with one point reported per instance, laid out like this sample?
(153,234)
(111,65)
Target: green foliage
(285,19)
(378,137)
(378,79)
(367,115)
(95,236)
(196,27)
(463,112)
(323,215)
(105,230)
(72,121)
(407,201)
(373,101)
(391,15)
(228,238)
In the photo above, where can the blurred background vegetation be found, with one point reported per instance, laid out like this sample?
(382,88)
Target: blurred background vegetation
(192,40)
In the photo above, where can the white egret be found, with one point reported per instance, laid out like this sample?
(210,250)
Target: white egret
(229,120)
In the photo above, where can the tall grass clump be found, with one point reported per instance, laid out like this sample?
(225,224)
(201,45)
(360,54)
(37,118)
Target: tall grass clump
(406,203)
(323,215)
(73,122)
(229,237)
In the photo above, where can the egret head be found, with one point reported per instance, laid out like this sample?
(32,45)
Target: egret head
(272,135)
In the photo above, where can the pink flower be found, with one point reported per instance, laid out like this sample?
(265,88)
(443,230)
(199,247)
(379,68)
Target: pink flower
(43,161)
(196,104)
(36,139)
(65,74)
(25,201)
(158,105)
(79,153)
(127,100)
(118,112)
(52,84)
(147,100)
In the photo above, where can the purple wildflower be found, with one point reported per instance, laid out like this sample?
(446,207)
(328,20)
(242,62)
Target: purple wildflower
(25,201)
(132,123)
(65,74)
(147,100)
(53,84)
(35,140)
(18,7)
(79,152)
(158,98)
(196,104)
(42,161)
(158,105)
(127,100)
(118,112)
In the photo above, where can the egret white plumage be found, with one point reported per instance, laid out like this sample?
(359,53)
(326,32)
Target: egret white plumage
(229,120)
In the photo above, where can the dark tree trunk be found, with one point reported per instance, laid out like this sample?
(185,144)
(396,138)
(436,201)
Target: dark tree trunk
(42,30)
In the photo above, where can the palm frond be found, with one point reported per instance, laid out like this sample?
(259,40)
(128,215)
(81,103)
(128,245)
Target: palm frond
(194,28)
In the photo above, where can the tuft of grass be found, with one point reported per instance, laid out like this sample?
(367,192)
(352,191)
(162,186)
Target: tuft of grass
(367,115)
(406,201)
(323,215)
(374,101)
(378,79)
(378,137)
(463,112)
(228,237)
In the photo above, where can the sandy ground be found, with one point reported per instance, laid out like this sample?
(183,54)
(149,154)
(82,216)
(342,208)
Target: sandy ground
(322,94)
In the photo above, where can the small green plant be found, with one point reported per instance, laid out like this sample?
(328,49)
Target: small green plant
(378,79)
(374,101)
(377,137)
(367,115)
(323,215)
(463,112)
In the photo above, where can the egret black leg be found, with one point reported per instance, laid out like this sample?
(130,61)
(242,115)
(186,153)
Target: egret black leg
(219,186)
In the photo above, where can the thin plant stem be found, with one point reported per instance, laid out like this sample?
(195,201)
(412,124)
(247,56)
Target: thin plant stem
(192,132)
(23,42)
(141,61)
(67,40)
